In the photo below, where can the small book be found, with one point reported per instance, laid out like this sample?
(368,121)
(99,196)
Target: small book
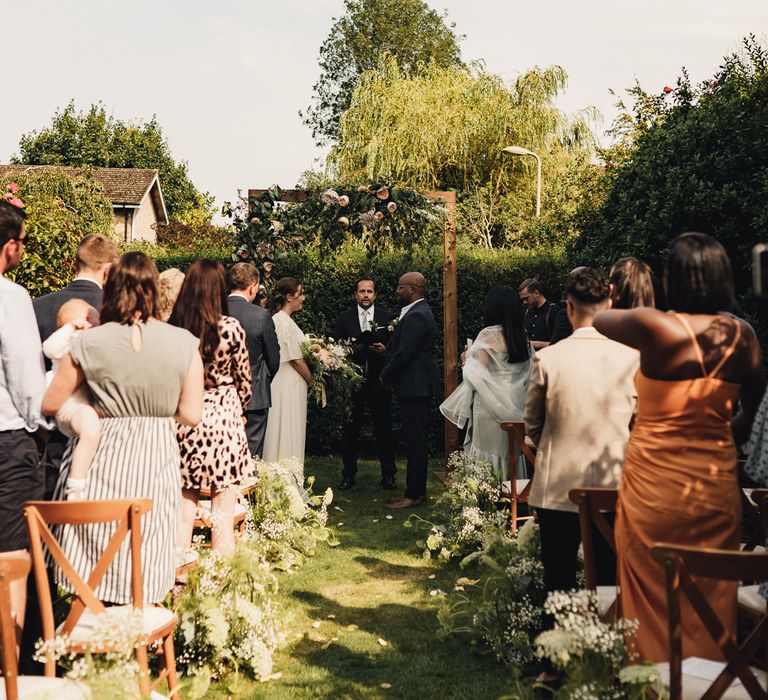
(366,338)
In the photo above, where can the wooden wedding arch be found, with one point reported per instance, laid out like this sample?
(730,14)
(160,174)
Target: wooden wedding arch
(450,294)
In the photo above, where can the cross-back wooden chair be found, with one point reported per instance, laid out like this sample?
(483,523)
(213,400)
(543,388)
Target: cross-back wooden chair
(593,504)
(681,564)
(12,568)
(158,623)
(516,442)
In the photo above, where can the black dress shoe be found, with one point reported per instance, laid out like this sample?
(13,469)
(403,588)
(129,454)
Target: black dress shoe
(346,484)
(388,483)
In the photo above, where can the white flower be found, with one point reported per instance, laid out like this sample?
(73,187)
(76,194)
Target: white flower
(329,197)
(641,674)
(328,496)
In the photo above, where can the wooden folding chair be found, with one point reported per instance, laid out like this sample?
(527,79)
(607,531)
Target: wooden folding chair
(516,439)
(13,567)
(158,623)
(681,564)
(593,505)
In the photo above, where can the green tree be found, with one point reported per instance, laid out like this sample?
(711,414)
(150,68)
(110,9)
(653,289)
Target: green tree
(693,158)
(444,128)
(97,139)
(406,29)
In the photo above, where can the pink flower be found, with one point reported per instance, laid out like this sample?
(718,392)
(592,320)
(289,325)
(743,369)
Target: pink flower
(13,187)
(668,89)
(343,200)
(16,202)
(379,216)
(391,207)
(244,254)
(362,188)
(382,193)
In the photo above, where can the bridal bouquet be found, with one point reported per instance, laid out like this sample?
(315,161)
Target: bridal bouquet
(331,369)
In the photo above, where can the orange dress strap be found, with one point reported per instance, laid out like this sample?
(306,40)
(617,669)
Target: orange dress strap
(696,347)
(728,352)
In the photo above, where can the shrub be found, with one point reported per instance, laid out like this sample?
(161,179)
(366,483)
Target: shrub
(60,211)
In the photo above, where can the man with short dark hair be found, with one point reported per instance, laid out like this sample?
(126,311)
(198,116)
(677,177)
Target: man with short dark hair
(95,255)
(540,315)
(411,371)
(580,403)
(263,349)
(366,326)
(22,385)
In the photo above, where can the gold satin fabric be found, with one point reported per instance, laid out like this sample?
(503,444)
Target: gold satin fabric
(679,485)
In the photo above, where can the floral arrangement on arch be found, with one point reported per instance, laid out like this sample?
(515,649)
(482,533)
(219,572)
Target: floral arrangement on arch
(376,215)
(11,195)
(331,368)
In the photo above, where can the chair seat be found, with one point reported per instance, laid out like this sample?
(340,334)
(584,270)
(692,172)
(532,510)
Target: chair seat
(694,687)
(606,597)
(43,688)
(506,487)
(204,516)
(154,620)
(247,485)
(750,599)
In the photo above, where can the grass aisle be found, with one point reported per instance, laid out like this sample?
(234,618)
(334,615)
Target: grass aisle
(359,618)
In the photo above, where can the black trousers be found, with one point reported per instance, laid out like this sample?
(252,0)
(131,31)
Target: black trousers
(255,430)
(413,415)
(379,403)
(560,538)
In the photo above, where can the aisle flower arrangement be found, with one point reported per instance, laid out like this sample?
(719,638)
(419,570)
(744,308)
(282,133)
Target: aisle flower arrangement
(468,513)
(227,618)
(500,605)
(286,522)
(332,369)
(591,654)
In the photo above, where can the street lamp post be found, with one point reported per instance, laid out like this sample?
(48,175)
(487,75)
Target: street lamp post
(519,151)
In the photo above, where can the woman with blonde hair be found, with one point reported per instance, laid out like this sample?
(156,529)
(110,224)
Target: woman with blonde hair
(170,286)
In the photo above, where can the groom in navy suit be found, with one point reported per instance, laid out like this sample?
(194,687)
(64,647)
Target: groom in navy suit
(411,371)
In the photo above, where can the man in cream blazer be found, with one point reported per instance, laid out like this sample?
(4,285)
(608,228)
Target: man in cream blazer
(580,403)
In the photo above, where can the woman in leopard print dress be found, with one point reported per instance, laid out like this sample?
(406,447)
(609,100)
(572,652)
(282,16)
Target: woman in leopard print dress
(214,454)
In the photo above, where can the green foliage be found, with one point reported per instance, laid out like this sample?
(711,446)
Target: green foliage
(60,211)
(195,237)
(444,128)
(406,29)
(329,278)
(693,158)
(98,139)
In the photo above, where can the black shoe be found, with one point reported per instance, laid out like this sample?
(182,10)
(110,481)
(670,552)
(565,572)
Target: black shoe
(388,483)
(346,484)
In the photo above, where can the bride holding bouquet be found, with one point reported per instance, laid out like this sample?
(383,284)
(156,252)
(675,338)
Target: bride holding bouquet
(287,421)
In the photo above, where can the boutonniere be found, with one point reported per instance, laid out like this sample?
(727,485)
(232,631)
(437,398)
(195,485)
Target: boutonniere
(392,325)
(373,327)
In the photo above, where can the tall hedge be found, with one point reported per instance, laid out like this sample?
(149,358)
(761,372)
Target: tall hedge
(329,281)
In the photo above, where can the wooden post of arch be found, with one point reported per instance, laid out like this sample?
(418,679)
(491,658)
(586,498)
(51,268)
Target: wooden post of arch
(450,296)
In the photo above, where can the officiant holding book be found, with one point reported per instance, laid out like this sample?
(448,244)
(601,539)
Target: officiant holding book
(367,326)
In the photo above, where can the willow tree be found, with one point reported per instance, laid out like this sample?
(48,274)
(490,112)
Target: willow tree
(445,128)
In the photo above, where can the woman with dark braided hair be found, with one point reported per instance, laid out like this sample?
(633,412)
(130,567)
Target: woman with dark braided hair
(287,422)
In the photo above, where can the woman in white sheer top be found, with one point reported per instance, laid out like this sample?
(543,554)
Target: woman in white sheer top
(496,373)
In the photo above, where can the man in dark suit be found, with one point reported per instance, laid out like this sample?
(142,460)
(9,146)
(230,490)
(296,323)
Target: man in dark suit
(95,254)
(411,371)
(366,324)
(263,349)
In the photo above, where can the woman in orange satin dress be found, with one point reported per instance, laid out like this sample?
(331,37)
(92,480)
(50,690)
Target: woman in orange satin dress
(680,482)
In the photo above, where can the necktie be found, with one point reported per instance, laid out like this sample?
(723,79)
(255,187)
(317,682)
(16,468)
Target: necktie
(364,326)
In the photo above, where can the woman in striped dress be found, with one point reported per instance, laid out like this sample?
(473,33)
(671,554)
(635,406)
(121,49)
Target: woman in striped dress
(143,374)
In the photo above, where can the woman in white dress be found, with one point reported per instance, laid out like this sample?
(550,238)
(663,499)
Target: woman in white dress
(287,421)
(496,374)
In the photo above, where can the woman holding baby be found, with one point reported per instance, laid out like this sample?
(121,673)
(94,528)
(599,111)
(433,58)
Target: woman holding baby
(144,376)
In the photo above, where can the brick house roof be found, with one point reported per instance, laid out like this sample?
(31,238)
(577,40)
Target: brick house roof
(122,186)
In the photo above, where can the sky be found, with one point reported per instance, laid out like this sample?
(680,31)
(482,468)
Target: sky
(227,79)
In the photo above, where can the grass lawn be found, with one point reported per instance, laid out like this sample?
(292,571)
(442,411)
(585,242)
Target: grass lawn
(359,619)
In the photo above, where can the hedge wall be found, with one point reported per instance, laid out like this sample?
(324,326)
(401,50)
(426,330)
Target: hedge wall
(329,279)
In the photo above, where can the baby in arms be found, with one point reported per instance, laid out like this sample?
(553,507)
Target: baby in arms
(77,416)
